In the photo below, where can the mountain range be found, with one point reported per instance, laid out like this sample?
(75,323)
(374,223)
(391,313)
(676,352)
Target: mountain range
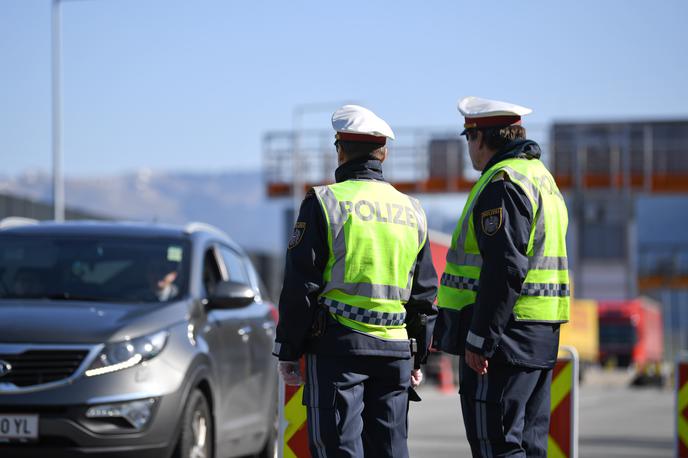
(235,202)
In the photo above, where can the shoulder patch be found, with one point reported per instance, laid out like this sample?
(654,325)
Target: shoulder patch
(491,220)
(297,235)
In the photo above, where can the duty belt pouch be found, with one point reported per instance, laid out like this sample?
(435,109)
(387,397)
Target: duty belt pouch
(416,325)
(412,394)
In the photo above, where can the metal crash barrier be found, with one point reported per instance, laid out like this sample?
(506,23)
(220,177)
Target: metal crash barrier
(681,445)
(293,432)
(562,441)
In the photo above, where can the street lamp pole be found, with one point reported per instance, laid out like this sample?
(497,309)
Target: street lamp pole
(58,181)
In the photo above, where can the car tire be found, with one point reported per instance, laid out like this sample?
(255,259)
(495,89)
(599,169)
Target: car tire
(196,434)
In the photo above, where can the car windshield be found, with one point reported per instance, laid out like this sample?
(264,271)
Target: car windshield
(93,268)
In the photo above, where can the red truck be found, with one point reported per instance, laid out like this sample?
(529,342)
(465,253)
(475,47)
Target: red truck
(631,333)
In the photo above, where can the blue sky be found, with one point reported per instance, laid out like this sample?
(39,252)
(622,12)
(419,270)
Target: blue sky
(193,85)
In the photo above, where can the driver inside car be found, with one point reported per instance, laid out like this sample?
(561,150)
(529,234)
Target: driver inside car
(161,277)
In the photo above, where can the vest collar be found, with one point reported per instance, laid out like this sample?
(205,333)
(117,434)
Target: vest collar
(525,149)
(359,169)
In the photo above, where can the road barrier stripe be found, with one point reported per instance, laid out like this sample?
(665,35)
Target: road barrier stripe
(562,441)
(561,383)
(293,433)
(295,415)
(553,450)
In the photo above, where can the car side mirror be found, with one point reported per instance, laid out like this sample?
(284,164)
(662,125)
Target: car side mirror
(230,294)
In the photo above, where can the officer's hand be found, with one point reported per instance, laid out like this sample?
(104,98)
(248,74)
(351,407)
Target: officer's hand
(291,373)
(476,362)
(416,377)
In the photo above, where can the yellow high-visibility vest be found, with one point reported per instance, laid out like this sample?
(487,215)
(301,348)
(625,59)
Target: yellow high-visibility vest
(374,236)
(545,295)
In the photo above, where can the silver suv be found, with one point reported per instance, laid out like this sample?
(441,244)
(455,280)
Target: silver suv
(121,339)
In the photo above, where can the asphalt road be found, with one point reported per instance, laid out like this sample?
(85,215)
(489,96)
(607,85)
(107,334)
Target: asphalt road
(615,421)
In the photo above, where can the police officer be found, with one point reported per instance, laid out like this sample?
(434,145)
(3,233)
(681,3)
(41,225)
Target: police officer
(359,282)
(505,289)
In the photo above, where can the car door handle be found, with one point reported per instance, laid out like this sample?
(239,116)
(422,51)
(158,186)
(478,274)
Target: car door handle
(245,332)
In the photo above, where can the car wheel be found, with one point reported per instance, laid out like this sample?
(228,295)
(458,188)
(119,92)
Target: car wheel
(196,436)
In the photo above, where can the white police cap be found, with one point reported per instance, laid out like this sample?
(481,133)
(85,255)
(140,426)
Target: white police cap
(358,124)
(479,113)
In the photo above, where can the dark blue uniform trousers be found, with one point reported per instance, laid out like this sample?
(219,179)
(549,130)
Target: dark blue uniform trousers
(357,405)
(506,411)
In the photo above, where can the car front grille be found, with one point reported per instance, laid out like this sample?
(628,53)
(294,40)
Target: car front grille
(37,367)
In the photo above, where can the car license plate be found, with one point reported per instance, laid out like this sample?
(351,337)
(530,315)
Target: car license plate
(18,426)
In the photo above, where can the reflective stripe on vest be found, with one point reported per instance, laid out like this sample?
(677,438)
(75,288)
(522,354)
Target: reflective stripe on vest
(460,282)
(545,292)
(385,230)
(363,315)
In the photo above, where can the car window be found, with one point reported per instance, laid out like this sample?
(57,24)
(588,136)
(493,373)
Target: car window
(236,268)
(256,280)
(211,272)
(102,268)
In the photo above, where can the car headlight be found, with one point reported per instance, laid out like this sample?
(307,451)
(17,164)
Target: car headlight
(123,355)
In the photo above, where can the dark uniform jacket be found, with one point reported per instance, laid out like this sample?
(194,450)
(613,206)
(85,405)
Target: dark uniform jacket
(504,268)
(303,282)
